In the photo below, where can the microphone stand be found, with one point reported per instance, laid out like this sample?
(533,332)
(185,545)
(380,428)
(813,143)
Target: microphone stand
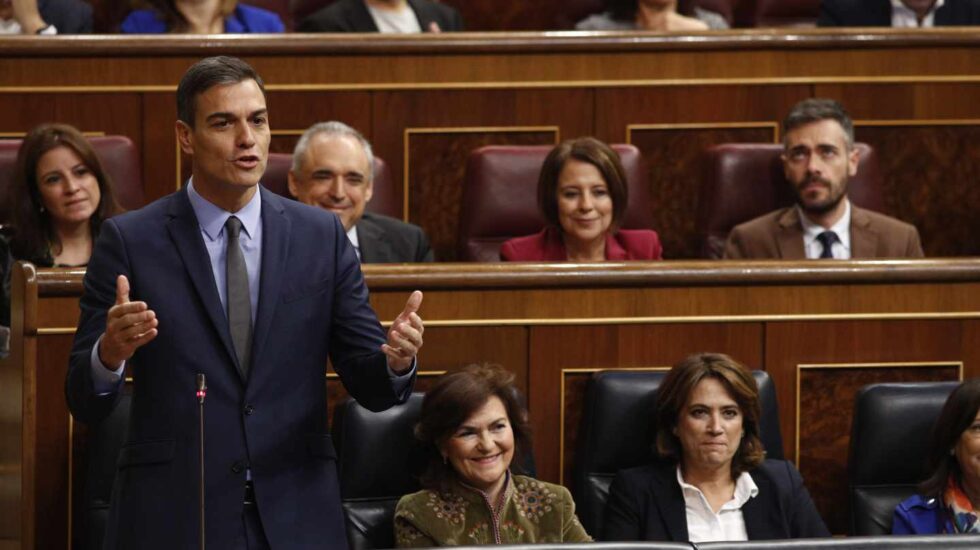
(202,390)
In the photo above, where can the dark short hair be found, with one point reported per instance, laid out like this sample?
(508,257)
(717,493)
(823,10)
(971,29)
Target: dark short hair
(204,75)
(740,385)
(594,152)
(813,110)
(625,10)
(35,233)
(453,399)
(957,415)
(175,21)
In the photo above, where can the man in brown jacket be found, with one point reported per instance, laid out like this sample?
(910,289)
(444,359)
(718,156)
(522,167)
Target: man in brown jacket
(818,158)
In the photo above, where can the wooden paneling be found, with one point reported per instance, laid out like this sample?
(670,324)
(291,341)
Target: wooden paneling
(827,394)
(435,167)
(673,157)
(820,399)
(549,322)
(929,176)
(712,87)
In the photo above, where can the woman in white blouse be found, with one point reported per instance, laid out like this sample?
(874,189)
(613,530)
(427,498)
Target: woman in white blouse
(712,481)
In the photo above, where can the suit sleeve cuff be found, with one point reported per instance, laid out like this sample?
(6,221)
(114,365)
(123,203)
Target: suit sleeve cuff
(106,381)
(403,381)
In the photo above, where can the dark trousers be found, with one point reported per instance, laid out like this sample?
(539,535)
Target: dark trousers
(253,535)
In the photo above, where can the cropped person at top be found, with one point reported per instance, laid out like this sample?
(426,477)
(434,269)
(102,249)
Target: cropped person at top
(711,482)
(45,17)
(582,195)
(818,159)
(333,169)
(475,431)
(201,17)
(384,16)
(898,13)
(652,15)
(949,499)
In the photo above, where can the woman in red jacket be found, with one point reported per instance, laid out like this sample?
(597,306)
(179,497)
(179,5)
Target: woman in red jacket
(582,193)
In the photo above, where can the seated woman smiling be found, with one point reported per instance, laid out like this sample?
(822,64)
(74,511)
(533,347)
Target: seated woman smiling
(473,425)
(582,195)
(950,498)
(712,483)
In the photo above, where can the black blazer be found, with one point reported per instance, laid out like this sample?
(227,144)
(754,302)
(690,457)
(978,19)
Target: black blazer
(878,13)
(646,504)
(68,16)
(353,16)
(387,240)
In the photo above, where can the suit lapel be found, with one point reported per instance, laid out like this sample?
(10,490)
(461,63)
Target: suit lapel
(374,244)
(185,231)
(359,17)
(423,13)
(879,13)
(275,251)
(864,241)
(761,513)
(789,238)
(670,500)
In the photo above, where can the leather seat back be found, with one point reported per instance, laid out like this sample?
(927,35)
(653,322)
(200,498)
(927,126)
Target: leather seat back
(890,437)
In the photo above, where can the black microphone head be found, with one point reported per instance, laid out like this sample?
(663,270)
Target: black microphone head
(201,384)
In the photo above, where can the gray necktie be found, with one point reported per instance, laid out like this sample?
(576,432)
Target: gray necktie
(827,239)
(239,302)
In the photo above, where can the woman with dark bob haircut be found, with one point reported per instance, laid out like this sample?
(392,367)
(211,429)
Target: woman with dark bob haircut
(582,195)
(712,481)
(949,499)
(473,425)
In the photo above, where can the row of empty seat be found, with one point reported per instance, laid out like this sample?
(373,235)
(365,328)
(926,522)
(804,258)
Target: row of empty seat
(378,455)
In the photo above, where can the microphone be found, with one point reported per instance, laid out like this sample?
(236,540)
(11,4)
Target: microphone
(202,391)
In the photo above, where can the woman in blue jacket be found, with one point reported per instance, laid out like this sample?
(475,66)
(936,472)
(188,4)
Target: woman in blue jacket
(949,499)
(210,17)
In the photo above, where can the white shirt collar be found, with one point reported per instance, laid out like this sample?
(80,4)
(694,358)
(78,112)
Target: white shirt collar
(352,237)
(842,228)
(904,17)
(703,524)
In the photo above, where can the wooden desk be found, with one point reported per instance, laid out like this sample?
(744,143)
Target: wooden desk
(821,330)
(426,101)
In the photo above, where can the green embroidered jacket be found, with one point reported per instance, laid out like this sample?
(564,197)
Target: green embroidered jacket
(532,511)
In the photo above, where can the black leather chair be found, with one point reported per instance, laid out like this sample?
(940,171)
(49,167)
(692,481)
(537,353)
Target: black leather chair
(105,439)
(617,432)
(946,542)
(378,457)
(890,433)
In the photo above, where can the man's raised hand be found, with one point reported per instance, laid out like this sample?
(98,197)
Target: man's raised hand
(405,335)
(128,326)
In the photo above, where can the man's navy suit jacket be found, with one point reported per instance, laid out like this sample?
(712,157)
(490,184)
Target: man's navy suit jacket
(312,303)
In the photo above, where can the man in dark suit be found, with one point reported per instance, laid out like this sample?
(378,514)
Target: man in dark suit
(906,13)
(333,168)
(45,17)
(173,289)
(388,16)
(818,158)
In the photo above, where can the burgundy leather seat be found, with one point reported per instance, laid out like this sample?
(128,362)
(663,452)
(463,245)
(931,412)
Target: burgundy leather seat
(742,181)
(500,197)
(383,201)
(119,157)
(786,13)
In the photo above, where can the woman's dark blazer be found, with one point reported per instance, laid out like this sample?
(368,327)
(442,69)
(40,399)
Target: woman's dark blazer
(646,504)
